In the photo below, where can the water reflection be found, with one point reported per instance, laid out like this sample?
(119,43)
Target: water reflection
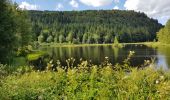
(97,54)
(161,63)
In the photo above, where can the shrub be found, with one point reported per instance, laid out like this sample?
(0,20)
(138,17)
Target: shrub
(96,83)
(23,51)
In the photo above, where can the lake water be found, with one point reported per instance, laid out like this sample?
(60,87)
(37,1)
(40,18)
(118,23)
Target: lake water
(97,54)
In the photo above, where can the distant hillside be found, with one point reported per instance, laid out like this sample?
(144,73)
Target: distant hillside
(93,26)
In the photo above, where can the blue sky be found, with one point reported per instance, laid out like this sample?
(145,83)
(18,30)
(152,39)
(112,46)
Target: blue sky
(153,8)
(52,4)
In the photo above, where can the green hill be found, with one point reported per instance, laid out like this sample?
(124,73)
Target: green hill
(93,26)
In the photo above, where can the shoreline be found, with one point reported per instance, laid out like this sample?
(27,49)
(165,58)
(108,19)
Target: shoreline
(152,44)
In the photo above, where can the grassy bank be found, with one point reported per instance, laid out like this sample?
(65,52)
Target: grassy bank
(156,44)
(84,82)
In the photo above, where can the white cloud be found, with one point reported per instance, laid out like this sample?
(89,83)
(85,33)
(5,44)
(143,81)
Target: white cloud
(159,9)
(59,6)
(74,4)
(28,6)
(116,8)
(96,3)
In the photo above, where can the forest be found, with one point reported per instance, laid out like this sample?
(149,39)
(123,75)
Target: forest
(93,26)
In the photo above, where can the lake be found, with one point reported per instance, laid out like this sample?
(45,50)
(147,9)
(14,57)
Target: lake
(96,54)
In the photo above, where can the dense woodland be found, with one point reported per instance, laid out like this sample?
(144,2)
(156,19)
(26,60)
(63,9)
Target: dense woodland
(93,26)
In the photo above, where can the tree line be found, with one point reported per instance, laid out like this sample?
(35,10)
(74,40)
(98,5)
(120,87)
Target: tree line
(93,26)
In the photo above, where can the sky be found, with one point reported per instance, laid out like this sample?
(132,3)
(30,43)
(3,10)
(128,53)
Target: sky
(157,9)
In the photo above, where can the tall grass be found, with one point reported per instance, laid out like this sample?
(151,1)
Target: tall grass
(87,81)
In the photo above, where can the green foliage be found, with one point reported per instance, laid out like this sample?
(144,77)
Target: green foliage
(50,39)
(3,71)
(61,39)
(70,37)
(56,39)
(116,43)
(8,26)
(34,56)
(75,41)
(163,34)
(85,37)
(108,38)
(7,70)
(24,28)
(87,83)
(23,51)
(41,39)
(116,40)
(96,38)
(90,39)
(15,30)
(95,26)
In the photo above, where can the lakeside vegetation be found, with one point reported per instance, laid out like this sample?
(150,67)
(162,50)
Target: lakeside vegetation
(96,83)
(86,81)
